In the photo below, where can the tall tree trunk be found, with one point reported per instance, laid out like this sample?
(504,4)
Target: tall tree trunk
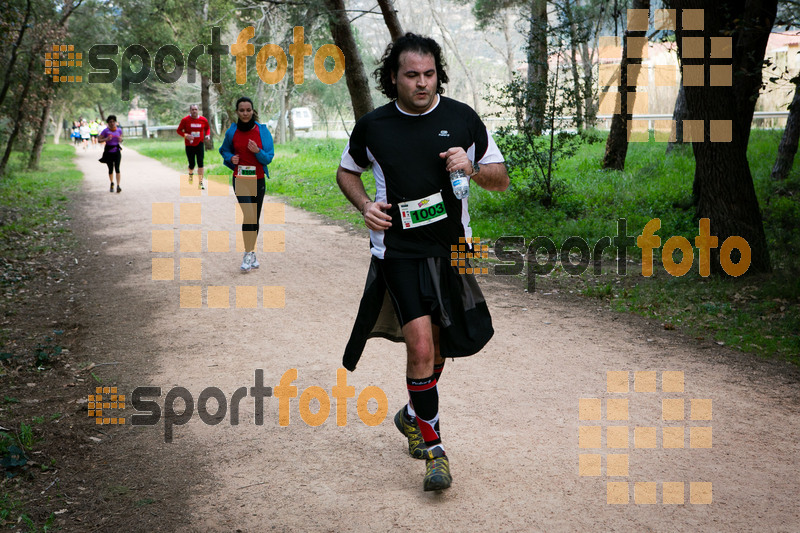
(573,49)
(678,116)
(537,65)
(225,104)
(448,39)
(355,75)
(617,142)
(14,52)
(723,184)
(788,146)
(59,126)
(587,58)
(205,97)
(38,142)
(287,98)
(100,109)
(509,55)
(590,110)
(679,111)
(391,19)
(283,111)
(18,119)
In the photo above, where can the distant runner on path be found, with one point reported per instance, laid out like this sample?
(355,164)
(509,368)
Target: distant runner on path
(194,129)
(413,143)
(112,153)
(247,150)
(94,129)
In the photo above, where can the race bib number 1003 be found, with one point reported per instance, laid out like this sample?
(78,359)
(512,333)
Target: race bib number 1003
(423,211)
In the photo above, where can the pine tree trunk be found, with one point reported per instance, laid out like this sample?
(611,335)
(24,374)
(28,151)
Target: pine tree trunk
(38,143)
(450,42)
(391,19)
(617,142)
(14,53)
(576,79)
(537,65)
(283,112)
(59,126)
(788,146)
(509,55)
(590,111)
(723,183)
(576,87)
(678,116)
(18,119)
(205,98)
(355,75)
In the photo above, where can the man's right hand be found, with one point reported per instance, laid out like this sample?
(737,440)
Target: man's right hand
(375,217)
(235,159)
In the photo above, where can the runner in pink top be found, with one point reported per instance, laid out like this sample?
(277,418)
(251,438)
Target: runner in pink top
(112,154)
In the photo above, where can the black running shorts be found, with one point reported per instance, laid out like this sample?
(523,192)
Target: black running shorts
(411,289)
(195,152)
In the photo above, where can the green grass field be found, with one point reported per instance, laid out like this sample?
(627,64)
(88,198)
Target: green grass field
(33,202)
(759,314)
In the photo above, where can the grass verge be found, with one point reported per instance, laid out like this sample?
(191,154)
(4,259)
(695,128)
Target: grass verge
(33,202)
(33,225)
(758,314)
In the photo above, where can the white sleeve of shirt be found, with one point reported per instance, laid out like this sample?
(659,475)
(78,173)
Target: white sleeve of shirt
(348,163)
(492,154)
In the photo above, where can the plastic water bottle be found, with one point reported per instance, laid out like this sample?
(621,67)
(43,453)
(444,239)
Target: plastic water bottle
(460,183)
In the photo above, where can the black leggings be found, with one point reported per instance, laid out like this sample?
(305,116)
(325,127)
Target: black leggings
(195,152)
(250,231)
(112,160)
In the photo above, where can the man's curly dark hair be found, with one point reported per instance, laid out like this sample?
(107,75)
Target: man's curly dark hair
(390,62)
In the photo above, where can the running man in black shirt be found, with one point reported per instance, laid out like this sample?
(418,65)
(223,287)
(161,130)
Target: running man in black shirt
(412,144)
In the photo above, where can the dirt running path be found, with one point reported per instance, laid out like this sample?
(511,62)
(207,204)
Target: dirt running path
(510,415)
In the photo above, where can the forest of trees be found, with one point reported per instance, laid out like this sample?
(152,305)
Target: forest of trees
(545,52)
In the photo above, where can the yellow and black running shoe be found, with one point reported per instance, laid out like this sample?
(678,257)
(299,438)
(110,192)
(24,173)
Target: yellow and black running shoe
(416,446)
(437,471)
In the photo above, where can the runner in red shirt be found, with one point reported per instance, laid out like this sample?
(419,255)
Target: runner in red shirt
(194,129)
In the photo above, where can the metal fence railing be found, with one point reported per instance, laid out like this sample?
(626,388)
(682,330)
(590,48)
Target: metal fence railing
(761,119)
(338,128)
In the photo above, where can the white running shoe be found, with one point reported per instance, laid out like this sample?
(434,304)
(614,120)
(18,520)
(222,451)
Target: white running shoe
(246,263)
(253,261)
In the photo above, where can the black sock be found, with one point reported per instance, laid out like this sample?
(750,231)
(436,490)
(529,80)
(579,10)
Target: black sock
(425,398)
